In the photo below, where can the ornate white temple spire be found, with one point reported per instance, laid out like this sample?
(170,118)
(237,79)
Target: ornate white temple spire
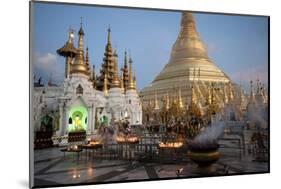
(115,81)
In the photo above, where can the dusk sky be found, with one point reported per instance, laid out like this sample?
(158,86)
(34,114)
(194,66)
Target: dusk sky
(236,44)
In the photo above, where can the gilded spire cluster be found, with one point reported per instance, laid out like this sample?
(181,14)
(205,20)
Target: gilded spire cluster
(108,64)
(78,62)
(110,67)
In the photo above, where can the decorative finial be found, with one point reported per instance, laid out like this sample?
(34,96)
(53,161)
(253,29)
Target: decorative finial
(125,59)
(130,59)
(81,31)
(108,34)
(70,34)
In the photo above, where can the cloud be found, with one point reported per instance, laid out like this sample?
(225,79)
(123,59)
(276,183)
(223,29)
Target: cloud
(46,65)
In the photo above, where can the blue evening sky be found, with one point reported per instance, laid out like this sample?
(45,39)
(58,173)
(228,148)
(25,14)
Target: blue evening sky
(236,44)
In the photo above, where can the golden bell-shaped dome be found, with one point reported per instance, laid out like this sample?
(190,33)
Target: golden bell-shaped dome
(188,61)
(79,66)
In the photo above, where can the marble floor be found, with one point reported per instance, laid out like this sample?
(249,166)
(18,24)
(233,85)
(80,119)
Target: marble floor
(52,168)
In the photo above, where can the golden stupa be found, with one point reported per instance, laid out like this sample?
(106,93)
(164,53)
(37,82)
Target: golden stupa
(189,65)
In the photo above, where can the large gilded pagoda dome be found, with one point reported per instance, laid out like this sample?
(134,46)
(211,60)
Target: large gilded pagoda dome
(189,61)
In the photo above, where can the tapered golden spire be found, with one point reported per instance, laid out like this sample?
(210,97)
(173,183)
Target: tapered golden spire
(150,105)
(122,82)
(131,84)
(156,105)
(225,95)
(242,96)
(231,96)
(125,72)
(94,77)
(193,108)
(167,101)
(209,99)
(115,81)
(135,79)
(105,89)
(188,41)
(79,65)
(107,65)
(180,100)
(193,95)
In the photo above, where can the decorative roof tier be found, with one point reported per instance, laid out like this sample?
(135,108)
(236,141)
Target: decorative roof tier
(68,49)
(108,65)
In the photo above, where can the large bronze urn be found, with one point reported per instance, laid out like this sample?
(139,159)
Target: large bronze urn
(204,153)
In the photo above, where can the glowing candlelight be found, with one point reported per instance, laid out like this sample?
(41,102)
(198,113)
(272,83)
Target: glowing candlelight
(170,144)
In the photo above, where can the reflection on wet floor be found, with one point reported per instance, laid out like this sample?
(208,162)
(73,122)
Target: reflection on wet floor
(51,168)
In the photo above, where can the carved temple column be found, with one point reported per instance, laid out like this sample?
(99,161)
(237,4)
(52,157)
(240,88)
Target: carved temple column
(90,123)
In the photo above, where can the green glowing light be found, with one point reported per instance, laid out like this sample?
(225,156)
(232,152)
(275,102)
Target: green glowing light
(79,115)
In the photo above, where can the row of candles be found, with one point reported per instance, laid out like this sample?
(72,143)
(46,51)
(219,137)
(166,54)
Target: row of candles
(130,139)
(170,144)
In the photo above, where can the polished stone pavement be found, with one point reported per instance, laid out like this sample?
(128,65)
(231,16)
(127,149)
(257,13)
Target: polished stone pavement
(52,168)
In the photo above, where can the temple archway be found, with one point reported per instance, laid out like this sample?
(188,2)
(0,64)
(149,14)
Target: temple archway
(77,119)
